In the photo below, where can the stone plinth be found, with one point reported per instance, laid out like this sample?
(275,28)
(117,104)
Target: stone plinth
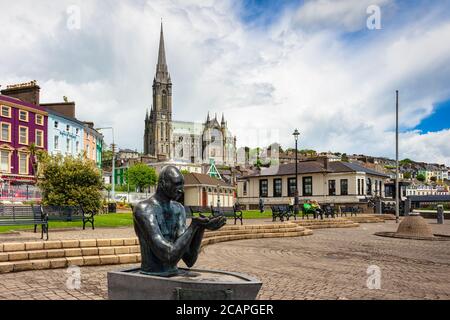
(193,285)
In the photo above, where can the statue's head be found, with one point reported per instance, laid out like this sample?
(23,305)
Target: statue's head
(171,183)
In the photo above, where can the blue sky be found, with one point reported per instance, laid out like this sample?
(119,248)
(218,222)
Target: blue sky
(271,66)
(438,120)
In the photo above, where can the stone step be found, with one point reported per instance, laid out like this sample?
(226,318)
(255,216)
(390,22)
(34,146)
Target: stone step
(327,223)
(327,226)
(66,244)
(66,253)
(250,231)
(218,239)
(287,224)
(56,263)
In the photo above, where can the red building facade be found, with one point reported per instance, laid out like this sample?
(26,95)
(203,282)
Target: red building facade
(22,124)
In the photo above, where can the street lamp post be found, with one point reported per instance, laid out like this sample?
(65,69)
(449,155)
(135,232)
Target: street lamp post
(218,196)
(296,134)
(397,191)
(113,174)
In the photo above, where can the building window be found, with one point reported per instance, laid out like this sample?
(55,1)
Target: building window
(23,115)
(344,187)
(77,146)
(164,99)
(369,186)
(307,186)
(332,187)
(380,188)
(5,161)
(23,163)
(40,119)
(245,188)
(56,144)
(23,135)
(5,134)
(67,128)
(77,131)
(277,187)
(40,138)
(68,145)
(56,124)
(6,112)
(263,188)
(359,187)
(292,187)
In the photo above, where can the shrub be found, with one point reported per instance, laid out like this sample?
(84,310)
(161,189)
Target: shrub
(69,181)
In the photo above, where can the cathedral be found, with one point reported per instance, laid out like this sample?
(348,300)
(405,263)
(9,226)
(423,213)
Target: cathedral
(190,142)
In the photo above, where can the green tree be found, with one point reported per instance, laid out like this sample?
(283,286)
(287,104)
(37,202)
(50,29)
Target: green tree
(142,176)
(421,177)
(434,179)
(405,162)
(344,158)
(184,171)
(69,181)
(407,175)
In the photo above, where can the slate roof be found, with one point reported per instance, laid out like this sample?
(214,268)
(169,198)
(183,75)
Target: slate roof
(305,167)
(203,179)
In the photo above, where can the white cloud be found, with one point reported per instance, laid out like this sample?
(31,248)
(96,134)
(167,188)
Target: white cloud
(299,72)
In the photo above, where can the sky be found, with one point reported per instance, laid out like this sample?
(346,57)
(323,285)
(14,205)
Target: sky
(328,67)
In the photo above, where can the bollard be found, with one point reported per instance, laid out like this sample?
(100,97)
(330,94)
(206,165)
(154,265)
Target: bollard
(440,214)
(378,206)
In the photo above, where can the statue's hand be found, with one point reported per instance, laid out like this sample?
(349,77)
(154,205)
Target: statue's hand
(212,224)
(200,221)
(216,223)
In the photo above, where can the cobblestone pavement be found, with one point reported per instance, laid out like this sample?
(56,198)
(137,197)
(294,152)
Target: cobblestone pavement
(331,264)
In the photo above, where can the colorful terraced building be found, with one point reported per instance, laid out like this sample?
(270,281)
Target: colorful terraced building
(23,124)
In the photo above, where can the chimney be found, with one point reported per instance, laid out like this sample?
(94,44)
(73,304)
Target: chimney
(65,108)
(89,124)
(27,92)
(324,160)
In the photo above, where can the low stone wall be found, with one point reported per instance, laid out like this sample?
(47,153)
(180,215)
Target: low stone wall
(23,256)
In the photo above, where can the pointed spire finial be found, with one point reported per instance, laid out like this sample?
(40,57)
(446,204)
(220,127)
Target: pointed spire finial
(207,118)
(162,72)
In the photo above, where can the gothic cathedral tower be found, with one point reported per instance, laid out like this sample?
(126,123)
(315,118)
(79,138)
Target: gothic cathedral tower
(158,125)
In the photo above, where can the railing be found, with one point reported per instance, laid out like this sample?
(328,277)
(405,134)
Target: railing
(20,193)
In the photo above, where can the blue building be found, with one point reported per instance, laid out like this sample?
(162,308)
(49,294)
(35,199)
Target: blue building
(65,134)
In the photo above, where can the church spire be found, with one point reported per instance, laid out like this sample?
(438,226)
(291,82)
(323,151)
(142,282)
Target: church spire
(162,72)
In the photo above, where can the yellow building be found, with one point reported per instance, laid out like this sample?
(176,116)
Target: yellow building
(203,190)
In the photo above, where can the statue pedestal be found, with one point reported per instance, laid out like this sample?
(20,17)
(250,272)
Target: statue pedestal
(193,285)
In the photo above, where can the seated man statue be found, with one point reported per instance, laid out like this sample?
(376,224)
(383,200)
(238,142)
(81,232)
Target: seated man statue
(160,224)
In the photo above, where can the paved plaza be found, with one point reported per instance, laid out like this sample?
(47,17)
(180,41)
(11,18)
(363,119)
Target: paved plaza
(330,264)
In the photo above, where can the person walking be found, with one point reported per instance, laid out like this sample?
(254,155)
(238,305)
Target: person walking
(261,205)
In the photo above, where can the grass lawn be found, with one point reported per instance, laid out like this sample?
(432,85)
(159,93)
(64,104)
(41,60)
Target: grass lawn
(115,220)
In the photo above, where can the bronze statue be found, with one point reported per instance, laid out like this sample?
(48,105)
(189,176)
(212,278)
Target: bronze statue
(160,224)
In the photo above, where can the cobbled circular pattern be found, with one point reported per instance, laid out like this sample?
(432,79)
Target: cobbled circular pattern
(330,264)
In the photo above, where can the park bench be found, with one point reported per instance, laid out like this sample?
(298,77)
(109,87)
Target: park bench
(307,212)
(349,209)
(24,215)
(329,211)
(69,214)
(204,210)
(277,213)
(229,212)
(283,212)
